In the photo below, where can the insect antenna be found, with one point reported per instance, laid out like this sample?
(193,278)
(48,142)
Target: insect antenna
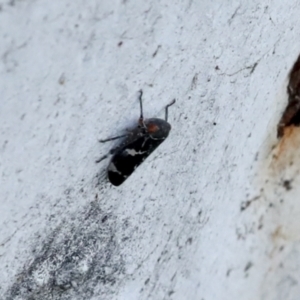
(141,120)
(141,104)
(166,109)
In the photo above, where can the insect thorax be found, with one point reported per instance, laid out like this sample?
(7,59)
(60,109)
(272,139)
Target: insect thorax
(157,128)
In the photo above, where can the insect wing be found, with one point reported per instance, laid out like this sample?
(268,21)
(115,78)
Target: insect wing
(129,157)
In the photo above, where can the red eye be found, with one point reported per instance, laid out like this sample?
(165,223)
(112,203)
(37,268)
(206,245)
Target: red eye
(152,128)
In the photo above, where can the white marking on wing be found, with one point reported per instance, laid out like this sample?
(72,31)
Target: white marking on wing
(113,168)
(132,152)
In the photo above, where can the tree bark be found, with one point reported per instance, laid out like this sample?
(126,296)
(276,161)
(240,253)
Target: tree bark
(212,214)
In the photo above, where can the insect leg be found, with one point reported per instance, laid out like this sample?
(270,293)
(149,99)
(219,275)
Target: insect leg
(167,106)
(111,151)
(114,138)
(102,158)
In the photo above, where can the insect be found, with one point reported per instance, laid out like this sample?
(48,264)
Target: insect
(136,146)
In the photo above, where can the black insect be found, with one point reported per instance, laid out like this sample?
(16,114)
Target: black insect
(137,145)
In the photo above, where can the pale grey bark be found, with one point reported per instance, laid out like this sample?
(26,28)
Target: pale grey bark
(209,214)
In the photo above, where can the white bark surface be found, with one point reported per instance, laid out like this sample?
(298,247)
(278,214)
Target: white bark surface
(206,216)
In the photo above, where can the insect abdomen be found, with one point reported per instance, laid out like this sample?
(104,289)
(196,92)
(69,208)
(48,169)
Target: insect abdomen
(129,157)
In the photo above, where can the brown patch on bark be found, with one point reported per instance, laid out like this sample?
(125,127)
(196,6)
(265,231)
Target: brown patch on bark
(291,115)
